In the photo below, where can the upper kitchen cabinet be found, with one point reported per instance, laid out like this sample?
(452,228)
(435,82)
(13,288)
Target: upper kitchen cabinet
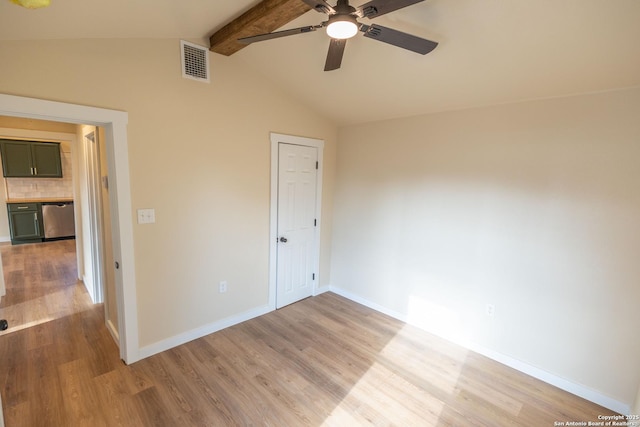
(24,159)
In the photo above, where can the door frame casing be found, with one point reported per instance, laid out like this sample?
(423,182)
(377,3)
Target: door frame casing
(93,202)
(276,140)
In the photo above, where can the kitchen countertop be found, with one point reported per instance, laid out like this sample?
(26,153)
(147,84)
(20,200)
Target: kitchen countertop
(41,200)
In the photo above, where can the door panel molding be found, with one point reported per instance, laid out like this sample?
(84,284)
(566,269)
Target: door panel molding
(297,186)
(277,139)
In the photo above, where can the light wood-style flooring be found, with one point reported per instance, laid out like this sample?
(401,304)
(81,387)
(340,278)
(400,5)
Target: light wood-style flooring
(322,361)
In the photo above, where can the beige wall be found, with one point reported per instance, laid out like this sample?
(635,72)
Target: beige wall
(532,207)
(199,155)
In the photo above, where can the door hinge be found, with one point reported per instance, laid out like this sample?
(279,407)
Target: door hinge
(315,222)
(317,164)
(313,276)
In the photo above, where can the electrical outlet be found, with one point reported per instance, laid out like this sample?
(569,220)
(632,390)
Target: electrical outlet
(490,310)
(223,286)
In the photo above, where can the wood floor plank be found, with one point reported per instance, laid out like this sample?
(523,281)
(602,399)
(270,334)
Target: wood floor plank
(256,403)
(324,361)
(20,414)
(115,397)
(80,398)
(13,377)
(152,410)
(44,393)
(215,408)
(230,405)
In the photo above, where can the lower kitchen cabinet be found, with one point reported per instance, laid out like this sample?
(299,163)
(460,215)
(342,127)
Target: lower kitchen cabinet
(25,222)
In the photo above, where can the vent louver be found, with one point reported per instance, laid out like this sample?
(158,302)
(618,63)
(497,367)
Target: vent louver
(195,61)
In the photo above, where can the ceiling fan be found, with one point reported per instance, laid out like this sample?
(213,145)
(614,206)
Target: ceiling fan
(343,24)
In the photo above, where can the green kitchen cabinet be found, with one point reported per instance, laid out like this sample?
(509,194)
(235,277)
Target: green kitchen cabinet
(30,159)
(25,222)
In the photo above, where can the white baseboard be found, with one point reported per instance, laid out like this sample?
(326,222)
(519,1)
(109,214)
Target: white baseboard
(321,290)
(113,331)
(89,287)
(563,384)
(200,332)
(4,239)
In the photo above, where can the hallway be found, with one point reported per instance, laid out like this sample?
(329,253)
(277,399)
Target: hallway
(56,336)
(42,285)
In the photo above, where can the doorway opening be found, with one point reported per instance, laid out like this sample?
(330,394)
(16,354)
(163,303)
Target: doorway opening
(83,192)
(115,138)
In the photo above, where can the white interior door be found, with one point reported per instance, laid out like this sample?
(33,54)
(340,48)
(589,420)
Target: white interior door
(297,186)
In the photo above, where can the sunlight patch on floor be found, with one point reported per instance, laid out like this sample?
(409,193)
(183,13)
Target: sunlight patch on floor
(44,309)
(405,373)
(382,403)
(25,325)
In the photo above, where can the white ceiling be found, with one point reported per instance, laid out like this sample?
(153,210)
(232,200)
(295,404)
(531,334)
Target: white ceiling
(490,52)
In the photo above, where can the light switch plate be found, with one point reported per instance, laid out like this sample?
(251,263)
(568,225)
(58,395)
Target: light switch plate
(146,216)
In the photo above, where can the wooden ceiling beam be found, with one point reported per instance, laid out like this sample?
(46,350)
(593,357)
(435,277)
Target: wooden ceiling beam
(265,17)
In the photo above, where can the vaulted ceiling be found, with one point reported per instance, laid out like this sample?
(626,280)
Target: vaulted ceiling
(490,51)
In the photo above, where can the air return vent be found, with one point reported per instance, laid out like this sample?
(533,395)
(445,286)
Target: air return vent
(195,61)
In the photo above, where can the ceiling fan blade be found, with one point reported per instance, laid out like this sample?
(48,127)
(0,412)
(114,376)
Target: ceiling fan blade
(321,6)
(278,34)
(334,56)
(377,8)
(398,38)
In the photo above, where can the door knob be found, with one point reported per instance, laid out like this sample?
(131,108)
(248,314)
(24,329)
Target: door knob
(283,239)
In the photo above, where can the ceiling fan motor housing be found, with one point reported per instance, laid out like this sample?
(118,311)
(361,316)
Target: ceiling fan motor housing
(342,18)
(343,8)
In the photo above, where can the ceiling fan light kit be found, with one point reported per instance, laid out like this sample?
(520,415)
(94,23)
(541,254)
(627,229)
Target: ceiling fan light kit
(342,27)
(343,24)
(32,4)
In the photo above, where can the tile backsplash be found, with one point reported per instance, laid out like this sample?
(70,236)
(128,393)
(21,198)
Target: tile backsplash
(33,188)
